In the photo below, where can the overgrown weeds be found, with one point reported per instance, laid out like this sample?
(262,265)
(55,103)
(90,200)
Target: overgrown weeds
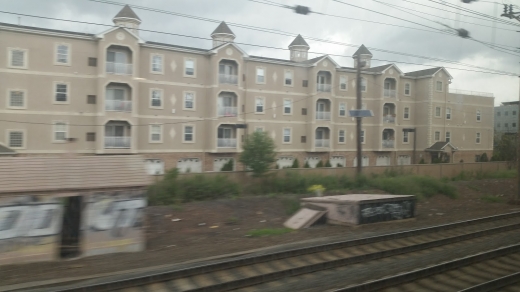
(479,175)
(491,199)
(268,232)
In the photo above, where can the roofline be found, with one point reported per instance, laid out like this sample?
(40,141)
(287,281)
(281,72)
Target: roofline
(216,49)
(363,55)
(46,31)
(102,34)
(122,17)
(224,33)
(166,47)
(295,64)
(305,46)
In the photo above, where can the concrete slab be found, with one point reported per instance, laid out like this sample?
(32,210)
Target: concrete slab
(364,208)
(304,218)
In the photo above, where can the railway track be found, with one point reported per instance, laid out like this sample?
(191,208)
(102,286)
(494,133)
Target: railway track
(251,272)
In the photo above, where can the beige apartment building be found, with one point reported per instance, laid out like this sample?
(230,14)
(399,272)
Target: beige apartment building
(115,93)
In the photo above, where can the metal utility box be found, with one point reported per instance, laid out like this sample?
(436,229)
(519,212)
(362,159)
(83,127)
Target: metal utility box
(364,208)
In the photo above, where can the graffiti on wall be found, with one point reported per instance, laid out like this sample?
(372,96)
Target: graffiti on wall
(378,212)
(29,223)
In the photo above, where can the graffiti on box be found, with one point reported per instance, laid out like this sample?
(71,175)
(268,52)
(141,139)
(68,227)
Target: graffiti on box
(29,221)
(377,212)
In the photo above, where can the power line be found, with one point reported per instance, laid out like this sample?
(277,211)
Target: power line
(293,34)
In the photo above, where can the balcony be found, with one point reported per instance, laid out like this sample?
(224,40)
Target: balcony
(228,79)
(322,143)
(117,142)
(324,87)
(227,111)
(389,119)
(119,68)
(227,142)
(389,93)
(118,105)
(324,116)
(388,143)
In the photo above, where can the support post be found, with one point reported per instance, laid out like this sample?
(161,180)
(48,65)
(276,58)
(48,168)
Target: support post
(358,119)
(414,145)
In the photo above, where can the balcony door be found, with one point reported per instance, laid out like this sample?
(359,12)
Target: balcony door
(226,69)
(386,111)
(387,135)
(320,107)
(114,131)
(387,85)
(225,133)
(116,57)
(115,94)
(321,79)
(320,134)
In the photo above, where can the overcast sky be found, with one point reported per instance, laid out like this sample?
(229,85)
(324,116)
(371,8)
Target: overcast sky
(355,32)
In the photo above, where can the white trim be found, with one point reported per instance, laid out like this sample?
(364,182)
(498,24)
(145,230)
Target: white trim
(34,30)
(409,89)
(53,74)
(150,126)
(344,136)
(366,84)
(446,113)
(192,133)
(193,102)
(446,136)
(435,136)
(10,56)
(8,99)
(265,75)
(290,135)
(152,55)
(194,60)
(54,92)
(292,77)
(478,116)
(102,34)
(69,54)
(442,86)
(53,138)
(407,136)
(478,135)
(263,105)
(404,112)
(291,106)
(161,98)
(215,50)
(175,49)
(440,112)
(346,82)
(8,138)
(339,109)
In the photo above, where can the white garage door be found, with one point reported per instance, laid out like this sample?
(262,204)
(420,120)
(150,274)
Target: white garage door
(312,161)
(218,163)
(335,160)
(404,160)
(189,165)
(364,161)
(285,161)
(383,160)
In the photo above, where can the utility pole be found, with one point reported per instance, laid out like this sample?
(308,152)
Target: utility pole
(358,119)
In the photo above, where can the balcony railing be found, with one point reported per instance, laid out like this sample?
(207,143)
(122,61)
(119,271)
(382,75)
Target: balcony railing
(323,116)
(389,119)
(228,78)
(227,143)
(118,142)
(322,143)
(119,68)
(388,143)
(324,87)
(389,93)
(227,111)
(118,105)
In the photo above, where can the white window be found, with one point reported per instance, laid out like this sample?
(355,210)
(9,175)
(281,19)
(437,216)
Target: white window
(16,138)
(189,100)
(477,140)
(341,136)
(60,132)
(287,106)
(288,78)
(189,68)
(259,106)
(362,136)
(407,89)
(260,75)
(157,63)
(189,133)
(16,99)
(438,86)
(287,135)
(61,93)
(343,82)
(405,137)
(342,109)
(17,58)
(406,113)
(156,98)
(62,54)
(478,115)
(363,84)
(448,113)
(155,133)
(448,136)
(437,111)
(437,136)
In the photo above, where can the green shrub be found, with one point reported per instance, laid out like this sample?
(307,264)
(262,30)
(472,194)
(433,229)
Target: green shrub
(319,164)
(296,163)
(484,158)
(422,186)
(422,161)
(339,165)
(327,164)
(228,166)
(306,165)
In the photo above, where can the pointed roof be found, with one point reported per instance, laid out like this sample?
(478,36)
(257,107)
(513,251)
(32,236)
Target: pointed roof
(439,146)
(222,28)
(127,12)
(362,51)
(299,41)
(427,72)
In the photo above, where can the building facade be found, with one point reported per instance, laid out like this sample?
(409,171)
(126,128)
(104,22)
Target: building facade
(115,93)
(506,118)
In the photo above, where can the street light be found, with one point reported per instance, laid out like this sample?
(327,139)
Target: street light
(412,130)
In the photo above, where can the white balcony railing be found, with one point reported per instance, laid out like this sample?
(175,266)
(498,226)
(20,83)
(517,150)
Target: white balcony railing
(322,143)
(118,105)
(227,111)
(119,68)
(388,143)
(228,78)
(389,93)
(323,116)
(324,87)
(118,142)
(227,143)
(389,119)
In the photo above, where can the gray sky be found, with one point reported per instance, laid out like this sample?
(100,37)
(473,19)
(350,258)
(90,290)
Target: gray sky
(411,41)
